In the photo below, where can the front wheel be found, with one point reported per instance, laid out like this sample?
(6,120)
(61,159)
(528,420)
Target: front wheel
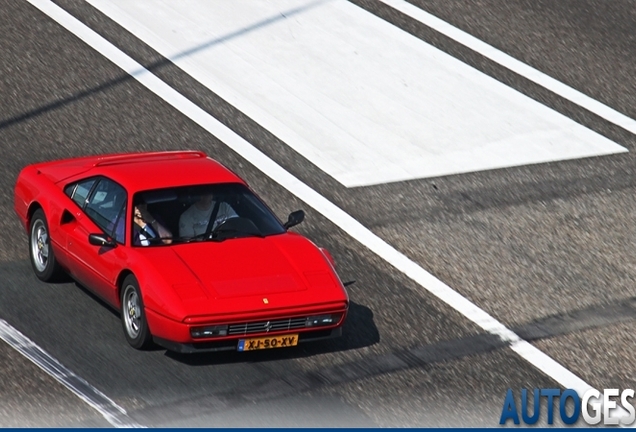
(43,261)
(133,315)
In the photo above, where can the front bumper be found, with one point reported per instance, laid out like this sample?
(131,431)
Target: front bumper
(231,344)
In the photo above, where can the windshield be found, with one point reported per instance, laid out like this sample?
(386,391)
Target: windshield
(200,213)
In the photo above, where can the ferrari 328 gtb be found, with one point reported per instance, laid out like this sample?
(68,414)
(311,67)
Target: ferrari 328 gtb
(183,248)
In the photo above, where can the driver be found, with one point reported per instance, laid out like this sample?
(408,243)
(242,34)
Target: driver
(194,221)
(146,227)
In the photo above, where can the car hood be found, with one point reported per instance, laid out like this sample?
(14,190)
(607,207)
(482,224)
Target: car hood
(241,267)
(250,275)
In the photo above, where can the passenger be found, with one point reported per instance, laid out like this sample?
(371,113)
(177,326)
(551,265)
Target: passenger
(146,228)
(194,221)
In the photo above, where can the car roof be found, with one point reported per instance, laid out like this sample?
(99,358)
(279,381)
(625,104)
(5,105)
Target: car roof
(144,171)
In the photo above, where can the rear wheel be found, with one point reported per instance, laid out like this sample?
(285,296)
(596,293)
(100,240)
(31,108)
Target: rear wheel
(43,260)
(133,315)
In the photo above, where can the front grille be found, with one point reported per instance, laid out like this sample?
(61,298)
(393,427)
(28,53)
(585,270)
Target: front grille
(263,326)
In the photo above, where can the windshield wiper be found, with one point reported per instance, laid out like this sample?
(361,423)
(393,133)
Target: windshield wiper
(159,240)
(215,235)
(198,237)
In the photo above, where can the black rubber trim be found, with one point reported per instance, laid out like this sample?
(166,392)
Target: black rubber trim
(231,345)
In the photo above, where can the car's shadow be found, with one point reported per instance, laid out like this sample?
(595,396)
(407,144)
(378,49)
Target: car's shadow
(95,297)
(358,331)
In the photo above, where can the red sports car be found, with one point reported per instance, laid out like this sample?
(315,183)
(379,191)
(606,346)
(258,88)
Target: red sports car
(180,245)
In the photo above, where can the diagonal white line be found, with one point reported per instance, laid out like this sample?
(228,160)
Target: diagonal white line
(112,412)
(355,229)
(514,65)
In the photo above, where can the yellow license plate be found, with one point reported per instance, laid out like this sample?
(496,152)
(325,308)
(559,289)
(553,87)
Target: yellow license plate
(268,342)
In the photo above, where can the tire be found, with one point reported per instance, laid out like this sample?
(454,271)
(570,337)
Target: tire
(133,315)
(43,261)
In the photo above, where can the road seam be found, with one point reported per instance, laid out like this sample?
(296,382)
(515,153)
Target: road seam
(422,357)
(113,413)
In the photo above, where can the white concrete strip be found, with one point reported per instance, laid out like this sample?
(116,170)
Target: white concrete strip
(113,413)
(355,229)
(515,65)
(363,100)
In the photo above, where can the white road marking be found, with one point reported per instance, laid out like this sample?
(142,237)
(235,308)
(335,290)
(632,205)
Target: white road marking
(112,412)
(347,223)
(515,65)
(363,100)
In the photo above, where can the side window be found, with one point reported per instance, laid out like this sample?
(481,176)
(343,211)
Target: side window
(79,191)
(106,206)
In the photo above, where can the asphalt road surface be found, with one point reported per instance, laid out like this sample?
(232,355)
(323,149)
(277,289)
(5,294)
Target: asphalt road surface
(546,249)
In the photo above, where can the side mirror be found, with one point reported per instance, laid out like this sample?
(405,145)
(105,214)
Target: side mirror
(101,240)
(294,219)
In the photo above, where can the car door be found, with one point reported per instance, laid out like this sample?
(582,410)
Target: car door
(103,210)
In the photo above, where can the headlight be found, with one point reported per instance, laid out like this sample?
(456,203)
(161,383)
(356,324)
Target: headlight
(208,331)
(323,320)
